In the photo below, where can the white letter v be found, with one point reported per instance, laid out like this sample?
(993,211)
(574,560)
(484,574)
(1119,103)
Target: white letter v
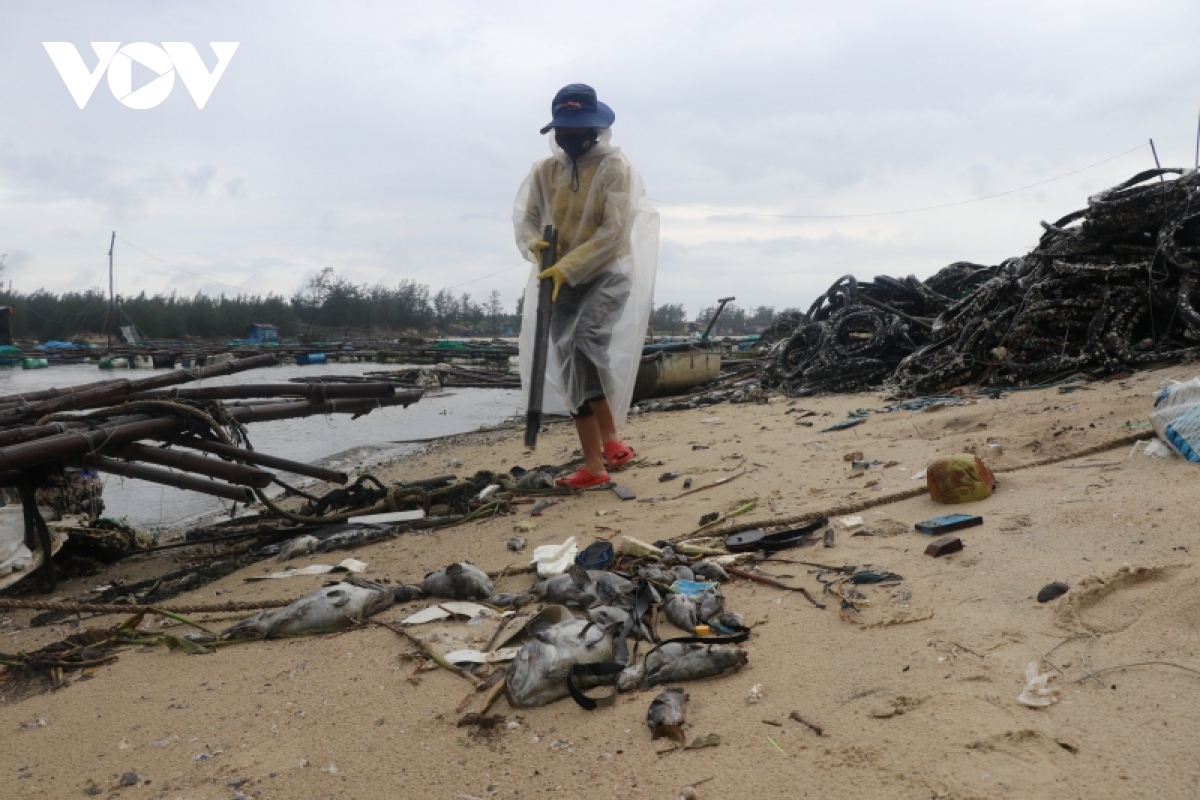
(196,76)
(80,82)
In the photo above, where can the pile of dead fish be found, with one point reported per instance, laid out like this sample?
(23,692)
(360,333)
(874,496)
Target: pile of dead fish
(1107,289)
(577,630)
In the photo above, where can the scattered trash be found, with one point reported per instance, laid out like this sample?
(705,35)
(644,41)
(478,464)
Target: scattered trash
(712,516)
(815,728)
(516,544)
(687,483)
(756,694)
(850,522)
(855,456)
(597,555)
(944,546)
(480,657)
(555,559)
(1159,449)
(1176,418)
(636,548)
(1037,693)
(844,424)
(959,479)
(446,611)
(1052,591)
(391,517)
(130,779)
(667,476)
(666,715)
(345,565)
(948,523)
(622,492)
(829,538)
(34,724)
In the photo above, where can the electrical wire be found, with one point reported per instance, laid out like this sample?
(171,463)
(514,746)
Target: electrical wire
(181,269)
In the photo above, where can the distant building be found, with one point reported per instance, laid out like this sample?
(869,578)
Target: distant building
(6,324)
(260,332)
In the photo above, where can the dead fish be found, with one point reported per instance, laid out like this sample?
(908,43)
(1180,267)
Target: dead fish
(710,604)
(730,620)
(631,678)
(710,571)
(609,585)
(574,587)
(665,717)
(538,674)
(330,608)
(679,661)
(535,479)
(682,573)
(516,544)
(656,574)
(682,612)
(614,619)
(407,592)
(671,558)
(508,599)
(300,546)
(460,581)
(542,505)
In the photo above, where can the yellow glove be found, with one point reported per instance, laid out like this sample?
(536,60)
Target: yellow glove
(537,247)
(555,274)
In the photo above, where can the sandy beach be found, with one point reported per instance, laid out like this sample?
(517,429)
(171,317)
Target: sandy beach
(915,692)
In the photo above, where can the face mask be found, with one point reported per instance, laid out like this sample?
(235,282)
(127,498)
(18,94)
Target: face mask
(575,144)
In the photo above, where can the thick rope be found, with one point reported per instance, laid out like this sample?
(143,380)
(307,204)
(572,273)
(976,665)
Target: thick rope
(12,604)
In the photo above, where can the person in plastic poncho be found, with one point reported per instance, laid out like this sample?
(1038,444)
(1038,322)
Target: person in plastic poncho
(603,280)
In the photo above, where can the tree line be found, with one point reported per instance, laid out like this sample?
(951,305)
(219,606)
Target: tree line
(328,306)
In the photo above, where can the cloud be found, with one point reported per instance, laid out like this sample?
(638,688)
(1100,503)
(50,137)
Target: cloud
(197,181)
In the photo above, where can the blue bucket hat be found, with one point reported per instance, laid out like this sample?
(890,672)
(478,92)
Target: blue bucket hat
(576,106)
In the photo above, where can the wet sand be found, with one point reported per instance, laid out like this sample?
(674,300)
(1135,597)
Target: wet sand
(916,693)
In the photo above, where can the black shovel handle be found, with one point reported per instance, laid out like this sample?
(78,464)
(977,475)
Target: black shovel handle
(541,341)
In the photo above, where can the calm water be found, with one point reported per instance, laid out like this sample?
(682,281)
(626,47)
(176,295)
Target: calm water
(336,441)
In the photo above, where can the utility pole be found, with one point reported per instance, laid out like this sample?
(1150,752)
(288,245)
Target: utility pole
(108,314)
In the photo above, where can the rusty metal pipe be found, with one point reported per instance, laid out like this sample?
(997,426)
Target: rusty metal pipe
(191,483)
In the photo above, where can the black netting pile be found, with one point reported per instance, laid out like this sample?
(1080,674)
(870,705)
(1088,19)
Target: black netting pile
(1107,289)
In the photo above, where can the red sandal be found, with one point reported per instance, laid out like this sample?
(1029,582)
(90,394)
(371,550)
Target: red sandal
(582,479)
(617,454)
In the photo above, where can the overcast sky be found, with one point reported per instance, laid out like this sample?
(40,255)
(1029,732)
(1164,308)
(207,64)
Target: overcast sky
(387,140)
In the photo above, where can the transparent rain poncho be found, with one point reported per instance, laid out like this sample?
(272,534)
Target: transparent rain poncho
(608,252)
